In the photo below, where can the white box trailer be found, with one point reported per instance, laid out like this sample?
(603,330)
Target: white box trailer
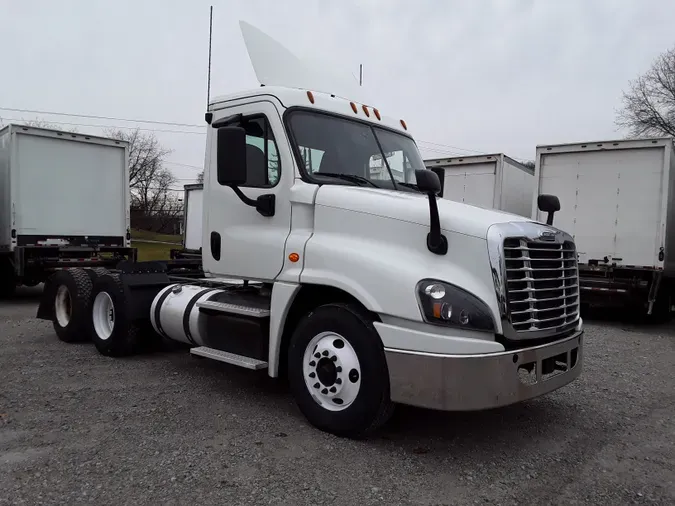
(193,206)
(493,181)
(65,201)
(193,201)
(616,200)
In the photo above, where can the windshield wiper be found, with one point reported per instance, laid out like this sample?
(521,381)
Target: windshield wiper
(409,185)
(348,177)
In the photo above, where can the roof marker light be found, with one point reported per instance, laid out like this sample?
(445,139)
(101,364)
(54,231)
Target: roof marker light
(354,107)
(365,110)
(310,96)
(405,127)
(377,114)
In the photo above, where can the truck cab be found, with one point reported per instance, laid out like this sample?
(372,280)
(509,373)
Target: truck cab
(330,260)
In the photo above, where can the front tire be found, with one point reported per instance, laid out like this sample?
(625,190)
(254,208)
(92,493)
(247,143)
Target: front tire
(112,332)
(338,372)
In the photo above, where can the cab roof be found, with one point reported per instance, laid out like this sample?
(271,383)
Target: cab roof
(291,97)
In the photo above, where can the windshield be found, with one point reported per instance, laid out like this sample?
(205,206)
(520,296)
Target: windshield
(358,153)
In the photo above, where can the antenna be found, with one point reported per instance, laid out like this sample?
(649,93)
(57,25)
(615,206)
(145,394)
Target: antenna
(208,79)
(361,74)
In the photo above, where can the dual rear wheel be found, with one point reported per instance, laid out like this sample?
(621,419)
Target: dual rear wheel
(89,304)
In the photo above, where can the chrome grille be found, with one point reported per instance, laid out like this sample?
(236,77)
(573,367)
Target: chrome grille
(542,285)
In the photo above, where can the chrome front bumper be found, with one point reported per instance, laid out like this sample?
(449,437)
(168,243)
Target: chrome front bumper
(474,382)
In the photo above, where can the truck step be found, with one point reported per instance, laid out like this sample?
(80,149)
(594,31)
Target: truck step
(225,307)
(230,358)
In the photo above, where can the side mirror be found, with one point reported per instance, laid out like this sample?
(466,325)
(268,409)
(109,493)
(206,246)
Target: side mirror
(440,172)
(428,181)
(548,204)
(231,158)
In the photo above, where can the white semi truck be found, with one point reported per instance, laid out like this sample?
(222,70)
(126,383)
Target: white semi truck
(53,212)
(363,292)
(617,202)
(493,181)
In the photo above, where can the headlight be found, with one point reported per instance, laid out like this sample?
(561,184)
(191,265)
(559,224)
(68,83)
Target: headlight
(445,304)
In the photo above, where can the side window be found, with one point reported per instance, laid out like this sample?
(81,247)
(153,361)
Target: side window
(262,157)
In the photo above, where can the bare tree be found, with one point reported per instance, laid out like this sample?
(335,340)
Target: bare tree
(529,164)
(146,156)
(151,184)
(200,177)
(649,104)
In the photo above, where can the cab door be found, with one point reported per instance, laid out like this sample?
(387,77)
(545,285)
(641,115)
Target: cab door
(238,241)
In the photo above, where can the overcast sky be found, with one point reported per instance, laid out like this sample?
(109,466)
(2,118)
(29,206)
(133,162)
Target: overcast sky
(480,75)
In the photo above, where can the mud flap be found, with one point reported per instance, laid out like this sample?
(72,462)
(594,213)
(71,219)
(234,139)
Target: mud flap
(46,308)
(142,281)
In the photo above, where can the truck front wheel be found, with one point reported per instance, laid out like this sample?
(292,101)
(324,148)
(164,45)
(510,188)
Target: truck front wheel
(338,372)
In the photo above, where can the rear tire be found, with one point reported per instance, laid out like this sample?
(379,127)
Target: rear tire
(338,372)
(96,272)
(72,302)
(112,332)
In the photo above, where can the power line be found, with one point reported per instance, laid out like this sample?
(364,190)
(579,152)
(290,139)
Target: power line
(184,165)
(451,149)
(112,126)
(449,146)
(169,123)
(109,118)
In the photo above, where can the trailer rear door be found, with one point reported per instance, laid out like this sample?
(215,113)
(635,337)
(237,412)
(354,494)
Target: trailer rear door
(64,187)
(471,184)
(611,201)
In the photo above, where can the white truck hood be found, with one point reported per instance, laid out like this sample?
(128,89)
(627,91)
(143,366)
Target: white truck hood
(413,207)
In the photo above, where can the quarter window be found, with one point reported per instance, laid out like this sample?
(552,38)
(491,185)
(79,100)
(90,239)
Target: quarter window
(263,168)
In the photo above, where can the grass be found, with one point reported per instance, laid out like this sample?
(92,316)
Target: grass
(153,251)
(145,235)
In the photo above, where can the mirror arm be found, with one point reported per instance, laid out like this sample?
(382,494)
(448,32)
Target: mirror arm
(549,218)
(264,204)
(242,197)
(436,241)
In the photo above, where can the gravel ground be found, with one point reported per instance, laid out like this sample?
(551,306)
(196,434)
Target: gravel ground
(166,428)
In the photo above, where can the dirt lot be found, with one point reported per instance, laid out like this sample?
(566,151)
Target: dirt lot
(76,427)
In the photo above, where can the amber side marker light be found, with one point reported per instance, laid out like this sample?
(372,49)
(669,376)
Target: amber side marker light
(294,257)
(310,96)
